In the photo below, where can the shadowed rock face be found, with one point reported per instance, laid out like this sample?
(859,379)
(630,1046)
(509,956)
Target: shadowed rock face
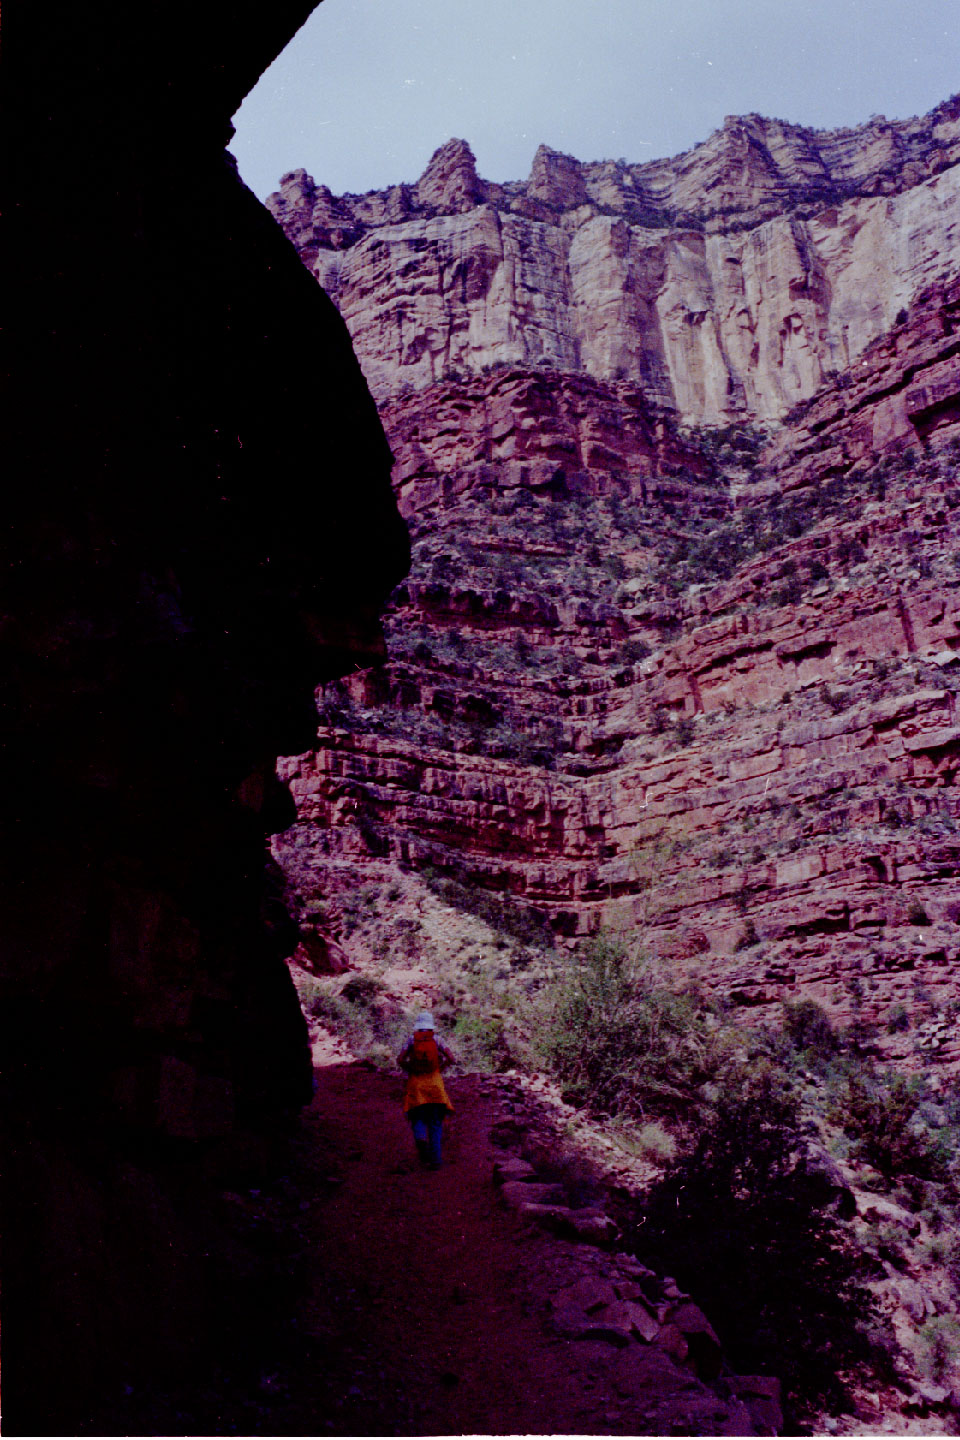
(200,528)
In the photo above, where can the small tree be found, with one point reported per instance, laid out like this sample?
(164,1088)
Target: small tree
(747,1228)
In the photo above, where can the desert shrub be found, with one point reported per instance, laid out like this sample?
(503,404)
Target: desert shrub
(745,1227)
(790,593)
(685,730)
(479,1042)
(656,1142)
(613,566)
(359,1013)
(748,937)
(535,746)
(808,1029)
(361,989)
(658,720)
(878,1110)
(633,650)
(377,843)
(619,1044)
(940,1339)
(405,939)
(940,1250)
(334,707)
(350,1021)
(850,552)
(898,1020)
(650,1140)
(836,701)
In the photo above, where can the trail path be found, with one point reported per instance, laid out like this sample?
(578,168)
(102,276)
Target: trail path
(412,1302)
(421,1280)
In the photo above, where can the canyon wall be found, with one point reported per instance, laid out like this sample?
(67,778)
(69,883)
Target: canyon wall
(700,686)
(730,282)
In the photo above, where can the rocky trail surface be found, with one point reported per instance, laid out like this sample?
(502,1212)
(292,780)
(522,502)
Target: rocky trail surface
(433,1304)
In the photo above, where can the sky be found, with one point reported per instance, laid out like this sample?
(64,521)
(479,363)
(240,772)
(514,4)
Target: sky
(368,89)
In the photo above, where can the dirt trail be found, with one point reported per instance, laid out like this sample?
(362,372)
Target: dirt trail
(421,1281)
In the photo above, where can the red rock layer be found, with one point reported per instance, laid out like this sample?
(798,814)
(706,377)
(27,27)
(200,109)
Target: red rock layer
(717,709)
(517,429)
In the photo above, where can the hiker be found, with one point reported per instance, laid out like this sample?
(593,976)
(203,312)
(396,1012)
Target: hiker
(425,1098)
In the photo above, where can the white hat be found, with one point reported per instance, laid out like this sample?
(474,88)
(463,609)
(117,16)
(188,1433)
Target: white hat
(424,1021)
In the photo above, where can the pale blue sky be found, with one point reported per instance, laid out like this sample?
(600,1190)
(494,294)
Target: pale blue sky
(368,89)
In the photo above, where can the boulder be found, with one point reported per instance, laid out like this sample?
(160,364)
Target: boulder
(593,1227)
(589,1294)
(590,1227)
(917,1301)
(512,1169)
(700,1336)
(630,1290)
(649,1371)
(636,1318)
(878,1210)
(739,1420)
(517,1194)
(673,1342)
(573,1324)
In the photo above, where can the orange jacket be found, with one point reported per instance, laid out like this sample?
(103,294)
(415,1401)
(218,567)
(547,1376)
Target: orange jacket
(422,1057)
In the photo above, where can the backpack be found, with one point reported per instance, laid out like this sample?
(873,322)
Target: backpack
(424,1055)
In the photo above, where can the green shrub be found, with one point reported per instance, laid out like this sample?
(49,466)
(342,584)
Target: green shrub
(808,1028)
(898,1020)
(748,937)
(651,1141)
(744,1226)
(656,1142)
(878,1110)
(619,1044)
(685,730)
(634,650)
(917,915)
(941,1250)
(371,1026)
(361,989)
(499,912)
(480,1043)
(658,720)
(836,700)
(940,1339)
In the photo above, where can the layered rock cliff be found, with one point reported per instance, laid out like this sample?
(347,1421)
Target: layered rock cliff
(731,282)
(697,684)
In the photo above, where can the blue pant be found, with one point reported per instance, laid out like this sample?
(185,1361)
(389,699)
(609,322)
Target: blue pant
(427,1122)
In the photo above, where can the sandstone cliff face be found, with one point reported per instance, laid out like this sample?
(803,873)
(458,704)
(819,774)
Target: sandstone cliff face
(706,695)
(730,283)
